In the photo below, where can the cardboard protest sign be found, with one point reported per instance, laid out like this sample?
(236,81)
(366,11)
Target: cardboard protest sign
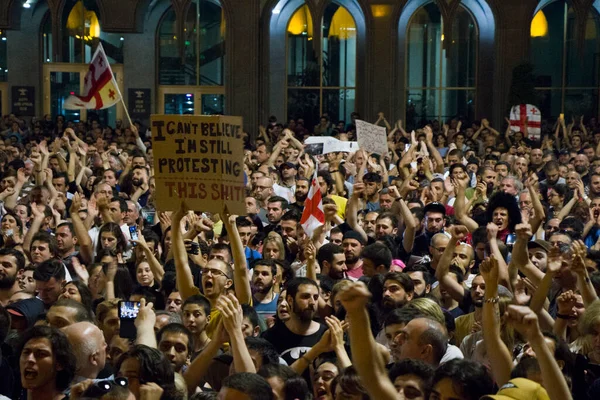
(199,159)
(316,145)
(371,138)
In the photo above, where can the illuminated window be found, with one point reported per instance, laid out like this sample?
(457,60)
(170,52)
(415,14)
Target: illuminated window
(440,81)
(203,59)
(326,84)
(80,35)
(566,80)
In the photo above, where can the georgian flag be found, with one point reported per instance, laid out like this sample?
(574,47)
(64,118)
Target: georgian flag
(518,115)
(100,88)
(313,215)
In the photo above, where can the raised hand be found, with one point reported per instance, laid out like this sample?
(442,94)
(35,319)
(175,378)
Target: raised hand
(355,296)
(146,317)
(523,231)
(458,232)
(231,311)
(554,261)
(524,320)
(489,270)
(492,231)
(566,301)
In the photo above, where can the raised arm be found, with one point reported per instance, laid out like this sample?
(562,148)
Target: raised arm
(199,367)
(497,352)
(144,322)
(526,323)
(433,151)
(352,209)
(86,247)
(241,281)
(584,284)
(36,224)
(459,204)
(367,361)
(184,278)
(503,277)
(410,224)
(231,310)
(520,256)
(455,289)
(155,266)
(539,213)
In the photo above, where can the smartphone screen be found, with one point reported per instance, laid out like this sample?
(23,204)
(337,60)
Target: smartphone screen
(133,233)
(128,311)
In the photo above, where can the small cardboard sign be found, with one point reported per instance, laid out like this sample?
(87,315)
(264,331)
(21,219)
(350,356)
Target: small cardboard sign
(371,138)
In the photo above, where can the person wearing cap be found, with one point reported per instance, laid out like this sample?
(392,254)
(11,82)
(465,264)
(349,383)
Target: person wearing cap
(538,253)
(520,389)
(353,244)
(286,187)
(24,313)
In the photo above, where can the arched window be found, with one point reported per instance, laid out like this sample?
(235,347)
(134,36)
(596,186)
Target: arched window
(326,84)
(203,58)
(440,81)
(80,35)
(567,76)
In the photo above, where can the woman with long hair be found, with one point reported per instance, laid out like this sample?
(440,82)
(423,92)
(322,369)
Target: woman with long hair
(111,237)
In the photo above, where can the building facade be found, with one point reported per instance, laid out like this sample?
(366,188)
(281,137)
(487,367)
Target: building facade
(414,60)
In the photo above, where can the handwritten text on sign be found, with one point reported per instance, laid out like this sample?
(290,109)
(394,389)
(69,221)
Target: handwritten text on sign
(200,159)
(371,138)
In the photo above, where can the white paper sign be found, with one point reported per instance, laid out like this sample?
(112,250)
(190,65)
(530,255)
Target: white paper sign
(316,145)
(371,138)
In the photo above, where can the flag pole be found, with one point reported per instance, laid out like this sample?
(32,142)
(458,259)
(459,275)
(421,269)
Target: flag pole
(117,87)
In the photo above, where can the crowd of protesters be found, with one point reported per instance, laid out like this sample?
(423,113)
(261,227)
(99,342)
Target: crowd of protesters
(461,264)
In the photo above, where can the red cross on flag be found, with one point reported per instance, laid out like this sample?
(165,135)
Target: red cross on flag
(100,88)
(313,215)
(526,114)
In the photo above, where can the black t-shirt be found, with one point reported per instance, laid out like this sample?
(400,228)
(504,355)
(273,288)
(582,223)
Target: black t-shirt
(289,345)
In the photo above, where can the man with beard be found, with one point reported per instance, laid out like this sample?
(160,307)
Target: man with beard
(398,289)
(264,278)
(594,185)
(332,261)
(435,220)
(141,188)
(353,244)
(582,167)
(552,178)
(302,186)
(421,278)
(11,262)
(296,336)
(263,190)
(276,206)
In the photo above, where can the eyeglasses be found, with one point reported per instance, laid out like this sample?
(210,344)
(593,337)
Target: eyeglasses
(213,271)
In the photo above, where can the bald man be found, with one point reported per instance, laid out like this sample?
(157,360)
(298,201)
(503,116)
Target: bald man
(89,348)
